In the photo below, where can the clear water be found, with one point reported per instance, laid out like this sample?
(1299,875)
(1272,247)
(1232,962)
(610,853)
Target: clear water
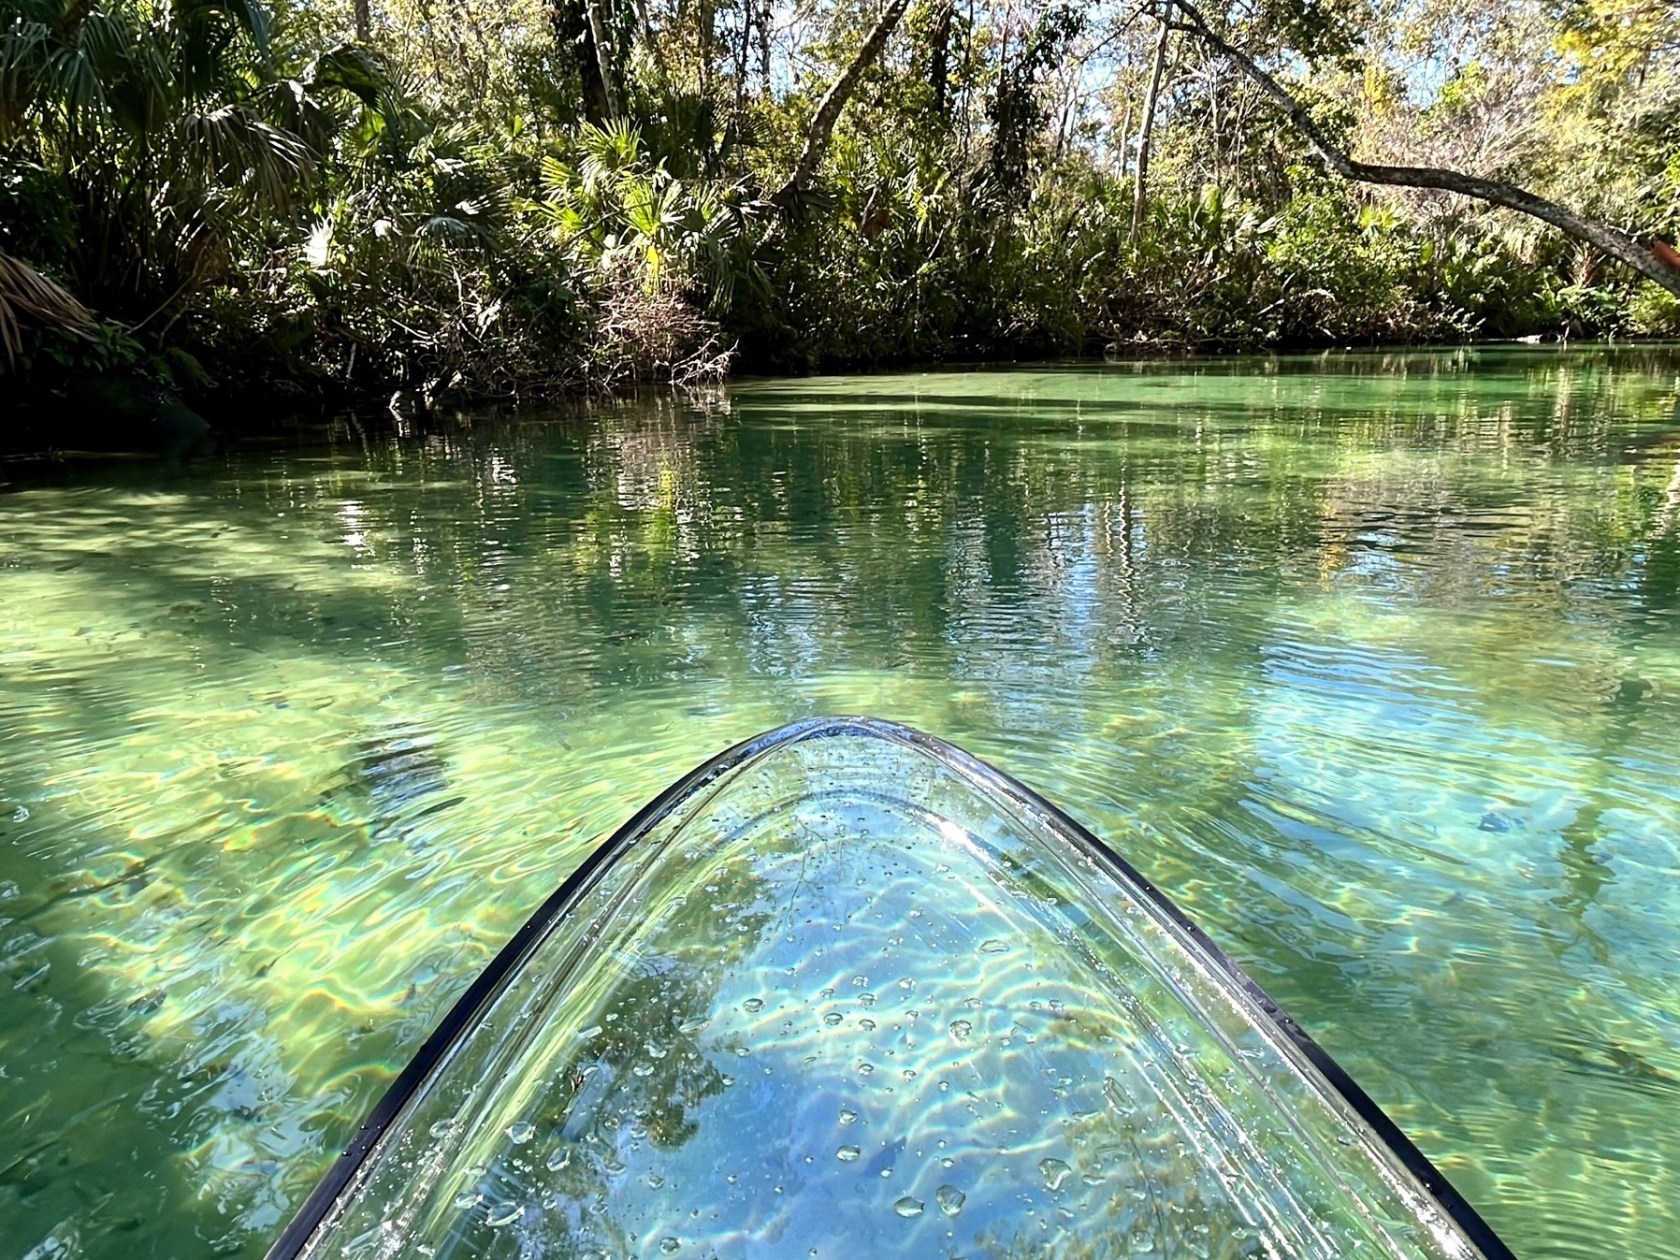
(849,998)
(1375,659)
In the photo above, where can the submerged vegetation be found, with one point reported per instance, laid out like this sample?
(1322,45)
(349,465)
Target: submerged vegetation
(503,198)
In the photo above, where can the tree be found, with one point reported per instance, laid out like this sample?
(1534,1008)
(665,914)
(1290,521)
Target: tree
(1651,259)
(821,130)
(603,56)
(1140,192)
(574,25)
(153,127)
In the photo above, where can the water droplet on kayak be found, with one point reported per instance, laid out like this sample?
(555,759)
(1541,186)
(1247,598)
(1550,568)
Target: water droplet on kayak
(753,1006)
(950,1199)
(960,1028)
(908,1206)
(993,946)
(846,1154)
(1055,1172)
(504,1214)
(521,1132)
(847,1115)
(1115,1095)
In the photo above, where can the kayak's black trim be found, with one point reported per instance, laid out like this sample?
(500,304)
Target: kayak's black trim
(1414,1161)
(465,1013)
(450,1033)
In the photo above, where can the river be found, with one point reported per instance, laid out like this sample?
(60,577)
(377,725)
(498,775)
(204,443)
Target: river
(1374,659)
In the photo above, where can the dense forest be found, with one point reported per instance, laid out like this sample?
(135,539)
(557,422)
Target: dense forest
(414,200)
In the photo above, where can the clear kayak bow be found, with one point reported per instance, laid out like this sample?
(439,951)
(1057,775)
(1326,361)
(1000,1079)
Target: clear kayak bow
(847,991)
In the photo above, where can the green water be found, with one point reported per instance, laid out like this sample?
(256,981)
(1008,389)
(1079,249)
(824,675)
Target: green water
(1378,656)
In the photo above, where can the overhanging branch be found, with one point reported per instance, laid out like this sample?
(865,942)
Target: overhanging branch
(1650,260)
(833,101)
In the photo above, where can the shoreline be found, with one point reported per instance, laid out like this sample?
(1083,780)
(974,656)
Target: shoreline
(149,421)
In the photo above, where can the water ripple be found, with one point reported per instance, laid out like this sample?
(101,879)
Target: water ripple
(1375,668)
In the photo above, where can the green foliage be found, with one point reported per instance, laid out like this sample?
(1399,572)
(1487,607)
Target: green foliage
(1653,313)
(1317,29)
(477,199)
(924,266)
(612,209)
(144,124)
(1016,111)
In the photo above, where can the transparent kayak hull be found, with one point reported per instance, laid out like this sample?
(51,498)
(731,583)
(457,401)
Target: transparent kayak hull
(846,991)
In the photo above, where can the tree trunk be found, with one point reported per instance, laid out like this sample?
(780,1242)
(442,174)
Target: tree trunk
(1146,128)
(364,20)
(1649,260)
(743,55)
(655,52)
(707,40)
(575,47)
(833,101)
(1001,114)
(939,58)
(603,56)
(1213,129)
(965,114)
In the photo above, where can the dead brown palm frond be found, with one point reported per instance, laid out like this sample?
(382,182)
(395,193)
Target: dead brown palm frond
(25,292)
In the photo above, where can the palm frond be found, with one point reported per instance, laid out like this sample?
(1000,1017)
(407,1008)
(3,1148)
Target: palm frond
(235,147)
(26,293)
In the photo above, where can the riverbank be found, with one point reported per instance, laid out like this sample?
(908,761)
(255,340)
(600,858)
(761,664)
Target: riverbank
(135,414)
(246,211)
